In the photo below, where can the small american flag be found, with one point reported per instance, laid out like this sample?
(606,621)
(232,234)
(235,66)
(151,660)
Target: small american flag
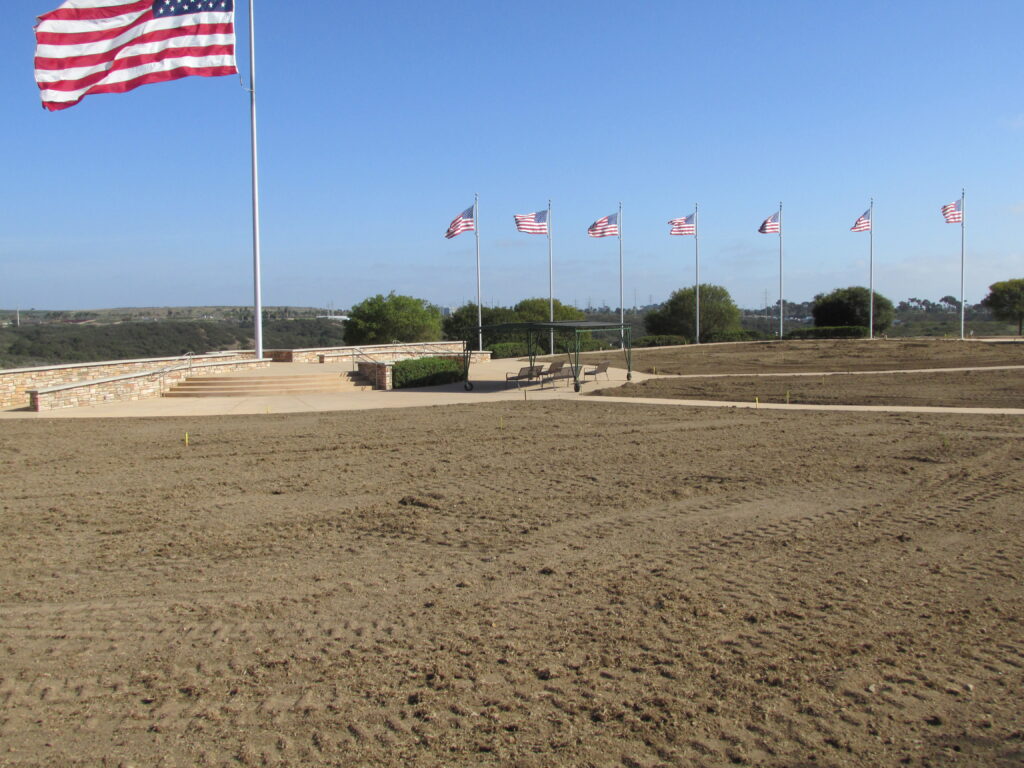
(953,213)
(114,46)
(462,223)
(770,225)
(684,226)
(532,223)
(606,227)
(863,224)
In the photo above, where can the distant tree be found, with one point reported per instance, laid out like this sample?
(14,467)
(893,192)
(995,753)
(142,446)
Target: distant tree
(952,303)
(1006,300)
(849,306)
(718,314)
(460,324)
(538,311)
(382,319)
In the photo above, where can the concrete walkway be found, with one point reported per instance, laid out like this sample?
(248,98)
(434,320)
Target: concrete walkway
(488,386)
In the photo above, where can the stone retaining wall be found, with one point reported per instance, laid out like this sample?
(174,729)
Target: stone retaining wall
(373,351)
(15,383)
(378,374)
(395,352)
(130,386)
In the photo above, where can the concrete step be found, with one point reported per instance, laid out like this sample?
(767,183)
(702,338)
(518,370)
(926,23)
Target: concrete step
(242,386)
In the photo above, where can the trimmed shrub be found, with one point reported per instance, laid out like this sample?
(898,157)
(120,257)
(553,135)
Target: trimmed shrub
(508,349)
(427,372)
(830,332)
(518,348)
(735,336)
(665,340)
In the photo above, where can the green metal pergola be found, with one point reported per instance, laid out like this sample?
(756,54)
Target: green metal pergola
(571,331)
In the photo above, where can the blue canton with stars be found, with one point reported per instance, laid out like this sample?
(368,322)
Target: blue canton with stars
(163,8)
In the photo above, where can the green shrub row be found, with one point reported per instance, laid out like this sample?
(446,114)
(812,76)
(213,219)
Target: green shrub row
(505,349)
(830,332)
(741,335)
(508,349)
(427,372)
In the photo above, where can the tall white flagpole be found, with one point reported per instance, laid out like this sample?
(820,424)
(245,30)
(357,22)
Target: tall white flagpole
(479,306)
(963,217)
(782,303)
(622,306)
(696,257)
(871,270)
(257,292)
(551,286)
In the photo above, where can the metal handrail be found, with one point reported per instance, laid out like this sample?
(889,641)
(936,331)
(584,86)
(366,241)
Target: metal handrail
(188,357)
(361,353)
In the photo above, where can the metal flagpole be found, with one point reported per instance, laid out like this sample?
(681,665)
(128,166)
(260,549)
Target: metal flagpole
(622,306)
(479,306)
(696,256)
(257,293)
(962,219)
(782,303)
(871,270)
(551,285)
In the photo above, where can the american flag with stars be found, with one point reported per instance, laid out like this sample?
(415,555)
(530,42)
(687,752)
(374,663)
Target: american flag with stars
(532,223)
(605,227)
(953,213)
(771,225)
(687,225)
(863,224)
(114,46)
(464,222)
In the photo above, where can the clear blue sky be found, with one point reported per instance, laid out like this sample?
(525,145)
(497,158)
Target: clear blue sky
(378,122)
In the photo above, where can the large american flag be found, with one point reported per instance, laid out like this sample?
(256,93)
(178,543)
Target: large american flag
(770,225)
(606,227)
(684,226)
(113,46)
(953,213)
(532,223)
(863,224)
(464,222)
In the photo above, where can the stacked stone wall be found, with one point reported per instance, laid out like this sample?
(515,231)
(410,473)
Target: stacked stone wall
(15,383)
(131,386)
(388,353)
(378,374)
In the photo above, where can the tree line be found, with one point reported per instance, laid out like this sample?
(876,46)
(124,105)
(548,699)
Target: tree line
(382,319)
(41,344)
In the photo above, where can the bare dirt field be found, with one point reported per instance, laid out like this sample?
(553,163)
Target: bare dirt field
(518,584)
(843,355)
(969,389)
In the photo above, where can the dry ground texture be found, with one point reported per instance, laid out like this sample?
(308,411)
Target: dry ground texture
(856,355)
(714,373)
(968,389)
(548,583)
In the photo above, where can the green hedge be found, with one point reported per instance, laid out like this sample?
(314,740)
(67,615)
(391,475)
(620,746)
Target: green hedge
(830,332)
(508,349)
(741,335)
(664,340)
(427,372)
(518,348)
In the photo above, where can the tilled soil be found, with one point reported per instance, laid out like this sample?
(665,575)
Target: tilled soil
(530,584)
(825,355)
(968,389)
